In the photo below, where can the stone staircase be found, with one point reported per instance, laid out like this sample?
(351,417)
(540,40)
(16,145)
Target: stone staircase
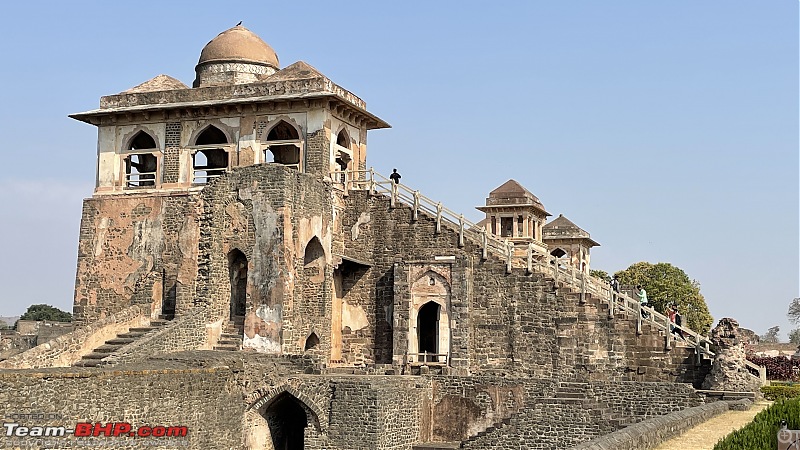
(97,356)
(231,338)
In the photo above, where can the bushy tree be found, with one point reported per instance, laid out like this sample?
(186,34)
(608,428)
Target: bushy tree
(46,312)
(794,311)
(794,336)
(771,336)
(666,284)
(602,274)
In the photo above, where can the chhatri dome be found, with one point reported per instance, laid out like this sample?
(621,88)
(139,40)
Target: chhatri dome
(235,56)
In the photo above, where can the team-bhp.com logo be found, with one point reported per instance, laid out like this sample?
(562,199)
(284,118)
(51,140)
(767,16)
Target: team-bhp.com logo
(97,429)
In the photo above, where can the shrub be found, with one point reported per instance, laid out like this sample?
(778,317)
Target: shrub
(778,367)
(762,432)
(780,391)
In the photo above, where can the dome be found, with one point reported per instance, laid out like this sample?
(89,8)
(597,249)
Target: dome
(238,44)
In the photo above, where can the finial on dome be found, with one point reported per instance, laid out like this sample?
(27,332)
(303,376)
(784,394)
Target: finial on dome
(239,24)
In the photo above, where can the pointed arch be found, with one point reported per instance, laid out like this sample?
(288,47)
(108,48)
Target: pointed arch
(283,144)
(266,400)
(142,140)
(209,161)
(343,138)
(558,252)
(311,342)
(314,255)
(282,130)
(210,135)
(429,318)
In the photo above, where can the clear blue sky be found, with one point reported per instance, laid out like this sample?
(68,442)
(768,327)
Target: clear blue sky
(668,130)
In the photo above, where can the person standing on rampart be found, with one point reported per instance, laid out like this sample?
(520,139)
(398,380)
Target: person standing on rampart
(395,176)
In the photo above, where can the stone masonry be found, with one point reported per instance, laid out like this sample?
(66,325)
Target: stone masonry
(341,319)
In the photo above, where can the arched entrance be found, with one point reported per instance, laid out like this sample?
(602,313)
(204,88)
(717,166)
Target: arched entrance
(237,268)
(428,330)
(429,319)
(287,420)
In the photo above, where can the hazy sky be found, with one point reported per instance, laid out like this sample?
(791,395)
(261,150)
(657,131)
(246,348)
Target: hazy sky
(668,130)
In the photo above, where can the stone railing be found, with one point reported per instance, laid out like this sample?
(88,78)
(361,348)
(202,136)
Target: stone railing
(534,259)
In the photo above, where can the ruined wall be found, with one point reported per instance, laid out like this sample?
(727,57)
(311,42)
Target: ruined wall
(269,213)
(500,323)
(135,249)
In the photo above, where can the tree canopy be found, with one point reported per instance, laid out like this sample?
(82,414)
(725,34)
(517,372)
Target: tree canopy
(602,274)
(666,284)
(46,312)
(794,311)
(771,336)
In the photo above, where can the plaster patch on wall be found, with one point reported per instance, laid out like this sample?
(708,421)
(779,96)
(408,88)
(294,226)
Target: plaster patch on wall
(262,344)
(364,218)
(100,237)
(265,268)
(353,317)
(268,314)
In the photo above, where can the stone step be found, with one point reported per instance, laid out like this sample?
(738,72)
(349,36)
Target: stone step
(108,348)
(158,322)
(95,355)
(141,330)
(226,348)
(435,445)
(131,335)
(120,340)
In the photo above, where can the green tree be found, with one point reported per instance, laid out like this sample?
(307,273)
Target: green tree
(46,312)
(602,274)
(666,284)
(794,336)
(771,336)
(794,311)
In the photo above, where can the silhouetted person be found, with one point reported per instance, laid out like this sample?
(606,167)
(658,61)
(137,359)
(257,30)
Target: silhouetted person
(395,176)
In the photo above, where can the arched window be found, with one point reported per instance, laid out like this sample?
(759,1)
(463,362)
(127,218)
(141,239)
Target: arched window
(141,163)
(558,253)
(343,154)
(283,145)
(315,254)
(209,161)
(312,341)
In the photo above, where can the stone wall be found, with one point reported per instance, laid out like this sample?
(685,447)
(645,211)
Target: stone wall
(68,348)
(565,418)
(198,399)
(654,431)
(135,249)
(500,323)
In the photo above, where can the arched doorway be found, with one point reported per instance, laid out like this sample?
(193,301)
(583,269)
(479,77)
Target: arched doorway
(237,268)
(428,330)
(287,420)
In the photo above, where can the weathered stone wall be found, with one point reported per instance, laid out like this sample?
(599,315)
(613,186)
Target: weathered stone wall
(556,419)
(654,431)
(500,323)
(68,348)
(135,249)
(157,396)
(270,213)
